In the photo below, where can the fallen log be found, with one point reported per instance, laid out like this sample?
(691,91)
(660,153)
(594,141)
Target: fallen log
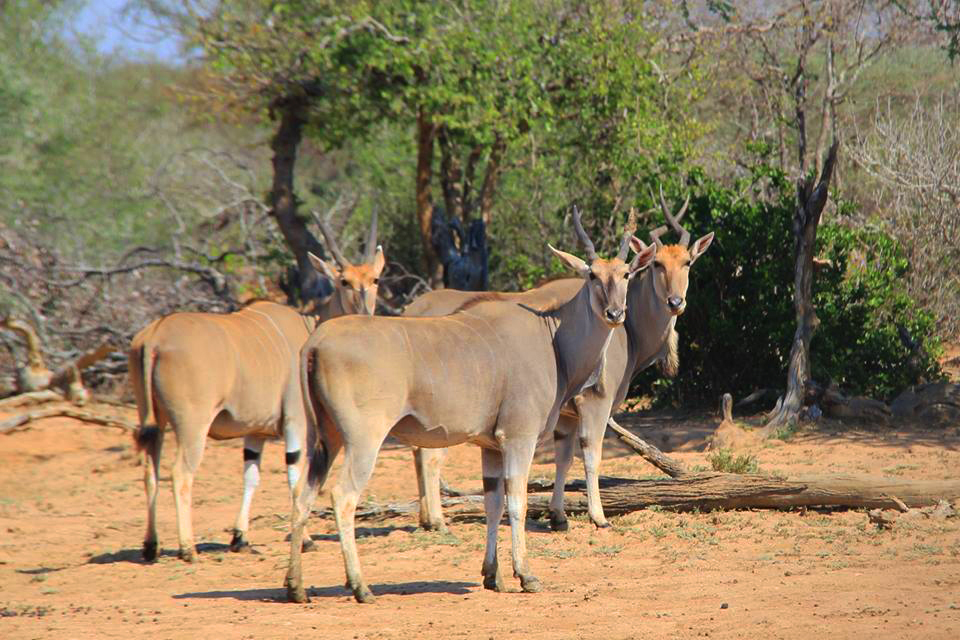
(19,421)
(649,452)
(31,397)
(35,376)
(707,491)
(473,506)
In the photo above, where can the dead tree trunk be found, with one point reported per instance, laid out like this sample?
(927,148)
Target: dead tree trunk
(283,201)
(811,199)
(17,422)
(708,491)
(649,452)
(732,491)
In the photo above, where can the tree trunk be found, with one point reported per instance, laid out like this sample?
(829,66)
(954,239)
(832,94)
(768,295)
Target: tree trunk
(425,134)
(810,203)
(490,180)
(283,201)
(451,175)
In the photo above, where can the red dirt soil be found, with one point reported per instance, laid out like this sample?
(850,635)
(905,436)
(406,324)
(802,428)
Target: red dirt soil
(72,516)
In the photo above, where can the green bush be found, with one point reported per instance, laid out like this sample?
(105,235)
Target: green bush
(725,461)
(738,328)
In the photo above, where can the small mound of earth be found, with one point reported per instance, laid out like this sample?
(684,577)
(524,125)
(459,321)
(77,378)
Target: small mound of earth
(730,435)
(935,404)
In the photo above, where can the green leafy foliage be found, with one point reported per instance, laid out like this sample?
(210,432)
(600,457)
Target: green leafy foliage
(736,333)
(861,301)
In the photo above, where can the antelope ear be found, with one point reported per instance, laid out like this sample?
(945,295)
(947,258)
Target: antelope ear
(637,244)
(643,258)
(571,261)
(379,262)
(700,246)
(323,267)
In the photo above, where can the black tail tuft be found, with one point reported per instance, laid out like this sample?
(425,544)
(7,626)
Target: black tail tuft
(319,465)
(146,437)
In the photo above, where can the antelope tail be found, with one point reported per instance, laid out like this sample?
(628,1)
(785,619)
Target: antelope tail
(318,462)
(141,360)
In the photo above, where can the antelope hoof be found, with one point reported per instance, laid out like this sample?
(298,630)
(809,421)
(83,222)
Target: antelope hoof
(150,551)
(494,583)
(363,595)
(558,522)
(309,545)
(530,584)
(602,527)
(295,591)
(188,555)
(434,526)
(239,543)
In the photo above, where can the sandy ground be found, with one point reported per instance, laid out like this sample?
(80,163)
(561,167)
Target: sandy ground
(72,516)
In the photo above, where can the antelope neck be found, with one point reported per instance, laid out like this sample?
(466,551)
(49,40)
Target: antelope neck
(579,341)
(648,319)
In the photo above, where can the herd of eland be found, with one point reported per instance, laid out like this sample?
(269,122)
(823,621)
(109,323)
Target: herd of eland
(503,371)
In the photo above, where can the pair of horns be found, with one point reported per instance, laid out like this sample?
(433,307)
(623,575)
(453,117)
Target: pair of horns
(674,221)
(588,244)
(331,242)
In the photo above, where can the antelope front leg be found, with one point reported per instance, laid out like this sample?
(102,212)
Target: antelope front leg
(427,463)
(517,459)
(563,445)
(252,450)
(492,462)
(593,425)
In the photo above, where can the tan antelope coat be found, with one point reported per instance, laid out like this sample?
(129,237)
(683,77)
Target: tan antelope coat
(495,374)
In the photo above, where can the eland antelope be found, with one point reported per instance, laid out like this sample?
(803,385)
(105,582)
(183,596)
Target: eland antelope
(495,374)
(648,335)
(231,376)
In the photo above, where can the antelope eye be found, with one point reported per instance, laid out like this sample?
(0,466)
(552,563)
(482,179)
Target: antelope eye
(344,283)
(658,265)
(376,281)
(593,276)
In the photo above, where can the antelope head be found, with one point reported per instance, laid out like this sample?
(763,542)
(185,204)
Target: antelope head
(607,279)
(354,286)
(671,274)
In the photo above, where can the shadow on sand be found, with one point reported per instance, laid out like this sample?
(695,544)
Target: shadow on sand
(361,532)
(280,595)
(135,556)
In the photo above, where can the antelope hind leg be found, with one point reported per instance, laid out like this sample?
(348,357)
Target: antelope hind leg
(427,463)
(185,466)
(304,495)
(152,443)
(563,445)
(358,463)
(492,461)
